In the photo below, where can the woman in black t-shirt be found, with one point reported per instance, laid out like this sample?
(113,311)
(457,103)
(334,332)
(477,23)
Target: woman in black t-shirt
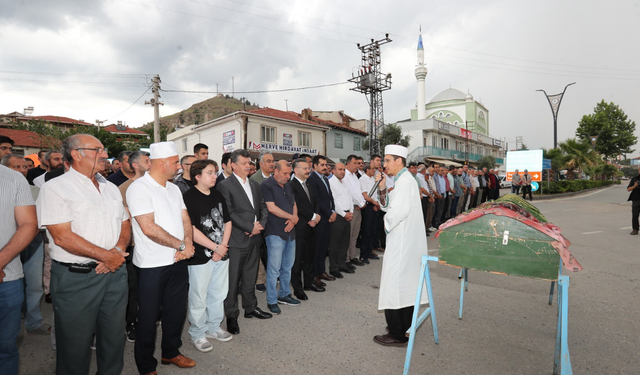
(209,267)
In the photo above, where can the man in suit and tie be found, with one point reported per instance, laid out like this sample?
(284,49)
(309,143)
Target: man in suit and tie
(248,213)
(309,217)
(320,185)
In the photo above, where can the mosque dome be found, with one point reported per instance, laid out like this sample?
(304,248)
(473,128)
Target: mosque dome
(448,94)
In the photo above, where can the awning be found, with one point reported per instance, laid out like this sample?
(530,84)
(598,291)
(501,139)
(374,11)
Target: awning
(446,162)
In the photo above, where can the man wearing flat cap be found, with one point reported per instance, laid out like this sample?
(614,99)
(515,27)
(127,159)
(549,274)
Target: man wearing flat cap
(163,240)
(402,257)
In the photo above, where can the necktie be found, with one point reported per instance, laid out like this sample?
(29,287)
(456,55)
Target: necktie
(306,190)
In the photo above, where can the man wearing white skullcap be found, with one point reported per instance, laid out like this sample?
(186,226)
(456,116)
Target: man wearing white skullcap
(403,254)
(163,239)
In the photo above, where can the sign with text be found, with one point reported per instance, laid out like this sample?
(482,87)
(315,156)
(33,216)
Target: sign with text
(287,139)
(464,133)
(229,137)
(546,163)
(288,149)
(526,159)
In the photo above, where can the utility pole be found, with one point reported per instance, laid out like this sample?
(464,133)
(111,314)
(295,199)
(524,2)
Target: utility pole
(554,103)
(233,87)
(155,103)
(519,143)
(466,143)
(372,82)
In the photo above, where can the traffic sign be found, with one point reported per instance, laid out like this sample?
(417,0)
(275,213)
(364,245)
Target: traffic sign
(546,163)
(534,186)
(535,176)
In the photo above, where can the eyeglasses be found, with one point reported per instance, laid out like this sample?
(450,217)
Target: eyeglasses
(97,149)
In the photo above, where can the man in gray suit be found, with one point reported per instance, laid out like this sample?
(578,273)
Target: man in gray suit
(249,214)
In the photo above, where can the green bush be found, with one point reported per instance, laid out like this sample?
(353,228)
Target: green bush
(568,186)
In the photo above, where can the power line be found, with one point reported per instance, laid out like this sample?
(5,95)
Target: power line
(259,91)
(132,104)
(124,75)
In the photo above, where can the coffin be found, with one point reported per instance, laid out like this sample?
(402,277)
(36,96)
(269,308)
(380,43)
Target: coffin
(508,236)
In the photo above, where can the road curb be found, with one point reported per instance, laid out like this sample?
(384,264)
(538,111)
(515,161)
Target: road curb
(571,194)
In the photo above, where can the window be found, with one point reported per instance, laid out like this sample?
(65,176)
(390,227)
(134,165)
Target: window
(455,123)
(434,141)
(480,150)
(184,145)
(424,142)
(434,117)
(444,143)
(267,134)
(357,144)
(441,114)
(448,115)
(337,143)
(304,139)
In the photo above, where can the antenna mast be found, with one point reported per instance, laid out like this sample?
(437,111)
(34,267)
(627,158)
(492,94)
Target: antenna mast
(372,82)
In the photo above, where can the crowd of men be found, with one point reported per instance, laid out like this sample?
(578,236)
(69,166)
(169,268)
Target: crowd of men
(179,239)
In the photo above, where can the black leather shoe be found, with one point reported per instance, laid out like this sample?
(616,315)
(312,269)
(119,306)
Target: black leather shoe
(337,274)
(347,270)
(315,288)
(351,266)
(232,326)
(387,340)
(356,261)
(257,313)
(325,276)
(301,295)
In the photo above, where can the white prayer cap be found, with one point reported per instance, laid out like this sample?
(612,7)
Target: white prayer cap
(396,150)
(163,150)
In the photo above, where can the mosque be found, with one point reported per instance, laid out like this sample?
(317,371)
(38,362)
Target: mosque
(452,128)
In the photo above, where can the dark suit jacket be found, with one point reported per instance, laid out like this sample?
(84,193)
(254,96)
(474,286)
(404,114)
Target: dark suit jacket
(242,214)
(220,178)
(325,199)
(306,208)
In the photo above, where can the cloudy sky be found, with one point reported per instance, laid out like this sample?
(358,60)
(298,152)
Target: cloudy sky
(93,59)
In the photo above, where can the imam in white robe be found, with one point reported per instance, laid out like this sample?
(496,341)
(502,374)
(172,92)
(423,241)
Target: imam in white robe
(406,244)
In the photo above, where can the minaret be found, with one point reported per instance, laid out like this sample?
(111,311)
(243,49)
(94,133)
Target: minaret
(421,74)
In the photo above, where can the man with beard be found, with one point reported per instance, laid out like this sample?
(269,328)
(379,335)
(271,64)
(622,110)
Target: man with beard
(125,173)
(54,160)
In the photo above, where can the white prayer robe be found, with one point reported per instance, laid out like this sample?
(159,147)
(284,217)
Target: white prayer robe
(406,244)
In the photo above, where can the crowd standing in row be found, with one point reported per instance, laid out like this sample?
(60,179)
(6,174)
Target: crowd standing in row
(165,240)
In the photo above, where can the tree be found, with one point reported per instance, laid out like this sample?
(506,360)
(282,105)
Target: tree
(612,126)
(392,135)
(51,136)
(488,162)
(558,160)
(579,154)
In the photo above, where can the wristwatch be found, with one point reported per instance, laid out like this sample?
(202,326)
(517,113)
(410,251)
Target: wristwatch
(182,246)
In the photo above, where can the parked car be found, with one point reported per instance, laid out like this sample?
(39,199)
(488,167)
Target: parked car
(504,183)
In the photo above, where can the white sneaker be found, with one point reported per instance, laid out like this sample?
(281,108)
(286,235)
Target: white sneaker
(203,345)
(220,335)
(432,229)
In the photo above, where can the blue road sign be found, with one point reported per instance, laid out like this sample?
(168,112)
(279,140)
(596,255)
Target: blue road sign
(546,163)
(534,186)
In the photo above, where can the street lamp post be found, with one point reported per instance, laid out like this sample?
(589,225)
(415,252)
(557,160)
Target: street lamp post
(554,103)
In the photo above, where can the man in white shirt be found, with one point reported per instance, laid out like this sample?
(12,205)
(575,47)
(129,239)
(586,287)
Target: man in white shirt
(267,165)
(163,239)
(341,228)
(88,230)
(358,202)
(427,196)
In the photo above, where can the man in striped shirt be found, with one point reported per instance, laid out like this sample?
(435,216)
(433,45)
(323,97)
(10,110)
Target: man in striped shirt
(18,226)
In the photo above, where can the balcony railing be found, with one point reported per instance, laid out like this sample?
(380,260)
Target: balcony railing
(426,151)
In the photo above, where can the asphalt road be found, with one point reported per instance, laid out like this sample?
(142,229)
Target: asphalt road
(508,327)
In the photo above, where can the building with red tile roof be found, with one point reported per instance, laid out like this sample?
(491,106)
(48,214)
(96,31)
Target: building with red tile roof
(27,142)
